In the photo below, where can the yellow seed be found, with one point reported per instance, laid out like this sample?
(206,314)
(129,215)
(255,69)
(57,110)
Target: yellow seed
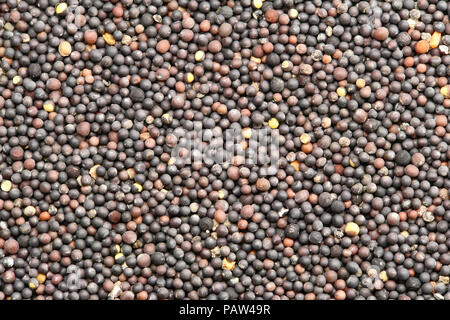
(166,116)
(109,39)
(326,122)
(352,229)
(360,83)
(6,185)
(344,141)
(131,173)
(29,211)
(171,161)
(93,171)
(341,92)
(126,40)
(32,284)
(293,13)
(220,194)
(17,80)
(228,265)
(8,27)
(199,55)
(352,163)
(273,123)
(435,39)
(425,36)
(138,186)
(189,77)
(305,138)
(255,59)
(257,4)
(118,255)
(444,279)
(411,23)
(194,207)
(90,47)
(295,164)
(61,7)
(405,233)
(247,133)
(41,278)
(49,107)
(65,48)
(384,276)
(26,37)
(286,64)
(444,91)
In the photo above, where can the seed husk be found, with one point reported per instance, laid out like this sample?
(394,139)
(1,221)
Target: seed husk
(64,48)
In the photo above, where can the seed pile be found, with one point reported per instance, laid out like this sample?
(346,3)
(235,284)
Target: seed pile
(94,206)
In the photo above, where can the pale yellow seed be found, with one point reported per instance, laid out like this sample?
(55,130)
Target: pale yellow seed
(131,173)
(41,278)
(228,265)
(26,37)
(352,229)
(199,55)
(49,107)
(286,64)
(220,194)
(405,233)
(61,7)
(273,123)
(384,276)
(435,39)
(425,36)
(326,122)
(166,116)
(293,13)
(126,40)
(8,27)
(90,47)
(33,284)
(65,48)
(194,207)
(93,171)
(118,255)
(189,77)
(412,23)
(360,83)
(247,133)
(445,91)
(138,186)
(17,80)
(444,279)
(109,39)
(305,138)
(341,92)
(6,185)
(257,4)
(29,211)
(295,164)
(255,59)
(344,141)
(352,163)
